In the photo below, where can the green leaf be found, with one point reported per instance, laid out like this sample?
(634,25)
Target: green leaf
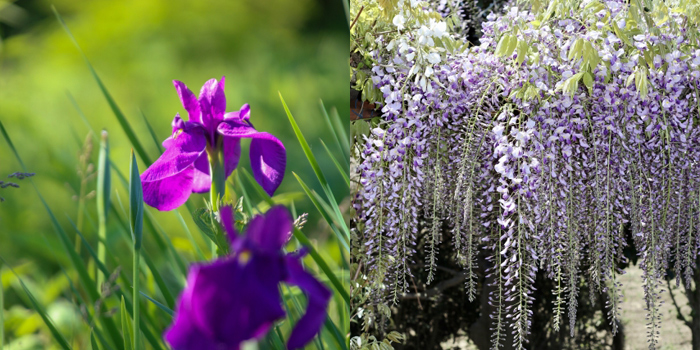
(159,146)
(93,343)
(588,81)
(126,326)
(167,310)
(522,51)
(104,181)
(79,264)
(573,49)
(203,219)
(341,170)
(135,203)
(39,309)
(321,209)
(306,243)
(620,34)
(512,43)
(502,45)
(317,170)
(2,316)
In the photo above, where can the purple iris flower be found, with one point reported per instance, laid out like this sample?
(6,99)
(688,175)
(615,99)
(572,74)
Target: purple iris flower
(236,298)
(209,143)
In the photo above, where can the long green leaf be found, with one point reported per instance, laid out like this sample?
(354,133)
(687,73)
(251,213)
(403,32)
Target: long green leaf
(136,221)
(126,326)
(78,263)
(317,169)
(40,310)
(342,171)
(335,132)
(153,133)
(167,310)
(312,250)
(316,201)
(81,302)
(104,189)
(2,316)
(128,130)
(343,134)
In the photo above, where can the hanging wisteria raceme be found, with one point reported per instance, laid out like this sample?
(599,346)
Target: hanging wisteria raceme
(539,148)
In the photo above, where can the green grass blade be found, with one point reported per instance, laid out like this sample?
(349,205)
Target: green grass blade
(78,263)
(159,146)
(126,326)
(342,132)
(312,250)
(316,201)
(2,317)
(104,186)
(317,169)
(157,233)
(246,198)
(136,221)
(189,234)
(93,343)
(128,130)
(80,302)
(341,170)
(80,113)
(335,132)
(337,336)
(167,310)
(40,310)
(151,266)
(135,203)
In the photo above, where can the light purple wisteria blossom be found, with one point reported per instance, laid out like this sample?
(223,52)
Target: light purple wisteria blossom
(204,150)
(236,298)
(508,155)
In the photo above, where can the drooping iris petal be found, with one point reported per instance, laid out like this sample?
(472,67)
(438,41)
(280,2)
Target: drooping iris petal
(212,103)
(268,157)
(232,154)
(184,333)
(189,101)
(317,296)
(236,298)
(269,233)
(167,183)
(226,303)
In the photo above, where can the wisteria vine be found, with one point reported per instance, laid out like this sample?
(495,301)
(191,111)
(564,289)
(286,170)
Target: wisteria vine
(570,123)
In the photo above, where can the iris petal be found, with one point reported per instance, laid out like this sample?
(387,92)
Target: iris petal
(167,183)
(269,233)
(212,103)
(318,297)
(268,157)
(232,154)
(189,101)
(202,180)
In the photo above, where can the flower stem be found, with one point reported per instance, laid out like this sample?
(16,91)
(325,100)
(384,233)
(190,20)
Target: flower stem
(218,183)
(137,332)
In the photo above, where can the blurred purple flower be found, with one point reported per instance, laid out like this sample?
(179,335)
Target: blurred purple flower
(236,298)
(196,145)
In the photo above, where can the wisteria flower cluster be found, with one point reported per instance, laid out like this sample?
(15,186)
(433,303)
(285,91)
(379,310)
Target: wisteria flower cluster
(567,125)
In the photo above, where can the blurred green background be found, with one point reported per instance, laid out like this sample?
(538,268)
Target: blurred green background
(138,47)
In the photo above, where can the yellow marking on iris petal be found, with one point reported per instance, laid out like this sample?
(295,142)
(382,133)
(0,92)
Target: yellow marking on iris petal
(178,132)
(244,257)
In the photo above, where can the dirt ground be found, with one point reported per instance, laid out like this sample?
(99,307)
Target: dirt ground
(674,335)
